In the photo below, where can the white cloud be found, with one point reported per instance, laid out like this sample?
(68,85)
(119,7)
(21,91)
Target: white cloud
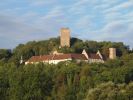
(89,19)
(115,29)
(84,22)
(55,12)
(121,6)
(19,30)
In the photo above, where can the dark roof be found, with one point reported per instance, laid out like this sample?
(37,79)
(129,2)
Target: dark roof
(78,56)
(94,56)
(57,57)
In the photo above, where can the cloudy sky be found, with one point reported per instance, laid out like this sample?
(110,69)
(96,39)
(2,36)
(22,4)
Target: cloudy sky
(27,20)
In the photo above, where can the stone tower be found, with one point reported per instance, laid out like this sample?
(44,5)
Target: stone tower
(112,53)
(65,37)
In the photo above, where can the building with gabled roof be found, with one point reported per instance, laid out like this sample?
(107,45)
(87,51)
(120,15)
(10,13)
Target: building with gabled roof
(59,57)
(54,59)
(94,57)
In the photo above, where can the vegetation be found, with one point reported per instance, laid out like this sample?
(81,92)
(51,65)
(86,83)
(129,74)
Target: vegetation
(47,46)
(112,80)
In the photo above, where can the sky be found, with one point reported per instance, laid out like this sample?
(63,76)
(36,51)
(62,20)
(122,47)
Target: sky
(33,20)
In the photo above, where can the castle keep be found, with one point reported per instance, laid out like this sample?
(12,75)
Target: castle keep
(65,37)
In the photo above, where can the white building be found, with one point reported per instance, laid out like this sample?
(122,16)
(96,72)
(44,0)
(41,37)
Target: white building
(55,58)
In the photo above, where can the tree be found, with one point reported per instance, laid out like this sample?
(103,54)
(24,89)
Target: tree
(110,91)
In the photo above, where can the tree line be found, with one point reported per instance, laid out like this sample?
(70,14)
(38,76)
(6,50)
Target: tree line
(67,81)
(112,80)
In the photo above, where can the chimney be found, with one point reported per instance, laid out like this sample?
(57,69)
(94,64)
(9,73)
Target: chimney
(112,53)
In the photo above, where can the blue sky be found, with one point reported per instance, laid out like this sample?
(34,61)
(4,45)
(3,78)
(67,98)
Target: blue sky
(101,20)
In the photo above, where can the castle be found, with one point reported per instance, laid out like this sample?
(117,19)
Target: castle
(56,57)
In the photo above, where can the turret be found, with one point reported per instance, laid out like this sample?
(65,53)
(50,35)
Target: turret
(112,53)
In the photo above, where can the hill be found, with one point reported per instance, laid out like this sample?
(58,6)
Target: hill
(33,48)
(66,80)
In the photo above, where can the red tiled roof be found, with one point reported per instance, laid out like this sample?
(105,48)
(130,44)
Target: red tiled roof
(63,56)
(56,57)
(94,56)
(78,56)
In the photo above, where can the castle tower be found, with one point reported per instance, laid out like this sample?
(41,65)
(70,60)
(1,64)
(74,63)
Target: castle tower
(112,53)
(65,37)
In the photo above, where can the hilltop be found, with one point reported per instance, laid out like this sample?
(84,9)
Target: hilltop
(63,44)
(35,48)
(69,80)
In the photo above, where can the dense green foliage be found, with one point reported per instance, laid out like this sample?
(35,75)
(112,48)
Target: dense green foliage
(5,54)
(68,81)
(111,91)
(112,80)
